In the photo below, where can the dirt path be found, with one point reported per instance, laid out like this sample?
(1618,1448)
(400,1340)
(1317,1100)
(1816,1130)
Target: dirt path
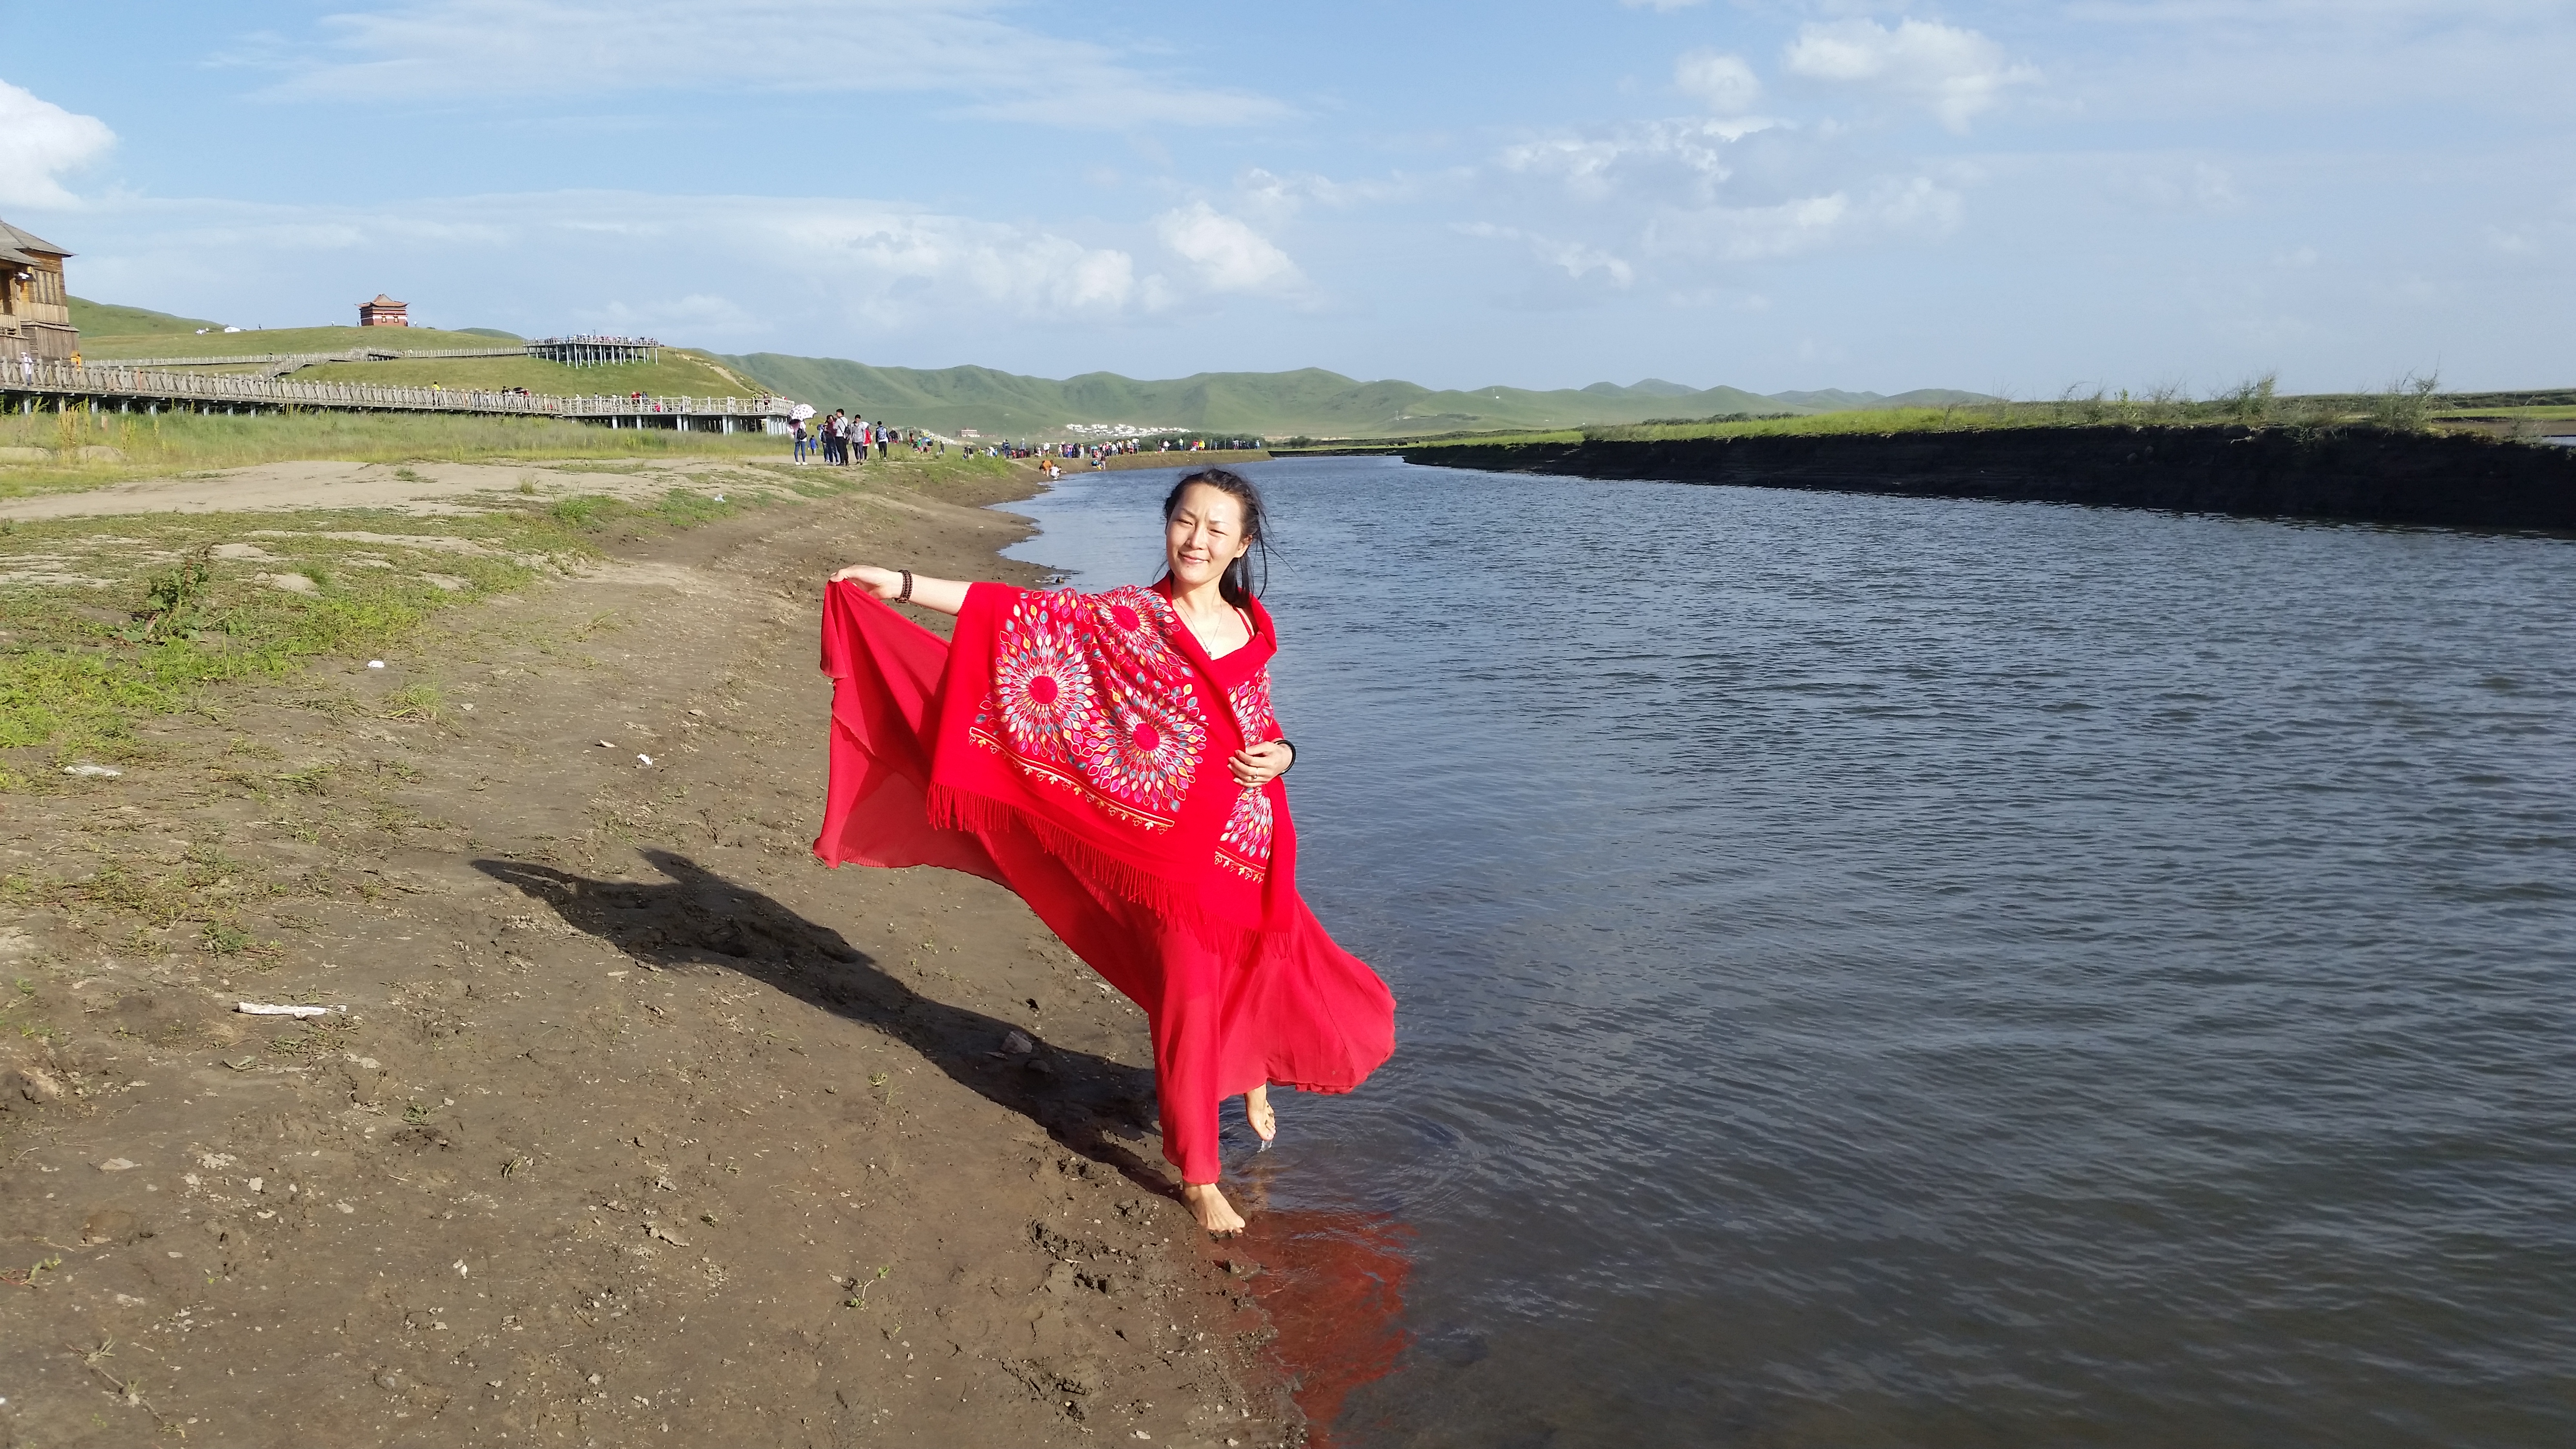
(629,1122)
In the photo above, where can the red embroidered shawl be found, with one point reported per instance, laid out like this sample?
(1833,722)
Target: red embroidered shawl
(1097,722)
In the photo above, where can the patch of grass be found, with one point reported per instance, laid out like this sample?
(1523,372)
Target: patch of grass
(682,508)
(581,510)
(150,339)
(416,701)
(674,374)
(13,1009)
(77,674)
(167,443)
(172,600)
(221,938)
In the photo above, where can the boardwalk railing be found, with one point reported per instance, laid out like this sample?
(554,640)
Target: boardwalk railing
(38,386)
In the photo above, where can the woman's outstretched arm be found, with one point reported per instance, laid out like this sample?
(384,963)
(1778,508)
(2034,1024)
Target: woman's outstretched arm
(946,595)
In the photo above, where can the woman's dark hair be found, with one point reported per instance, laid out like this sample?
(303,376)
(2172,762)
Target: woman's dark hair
(1237,587)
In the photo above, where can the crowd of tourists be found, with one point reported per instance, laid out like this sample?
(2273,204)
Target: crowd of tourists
(843,438)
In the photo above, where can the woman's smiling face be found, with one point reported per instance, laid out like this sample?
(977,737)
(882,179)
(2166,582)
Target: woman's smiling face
(1203,536)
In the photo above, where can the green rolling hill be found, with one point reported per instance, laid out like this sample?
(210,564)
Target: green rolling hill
(1307,403)
(111,320)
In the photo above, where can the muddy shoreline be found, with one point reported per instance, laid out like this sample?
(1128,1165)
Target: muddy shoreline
(626,1117)
(2347,475)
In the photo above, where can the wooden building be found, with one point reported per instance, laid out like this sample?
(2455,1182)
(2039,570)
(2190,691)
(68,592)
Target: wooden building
(35,307)
(384,312)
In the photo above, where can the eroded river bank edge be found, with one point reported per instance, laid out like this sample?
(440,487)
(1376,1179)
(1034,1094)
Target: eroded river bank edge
(2352,475)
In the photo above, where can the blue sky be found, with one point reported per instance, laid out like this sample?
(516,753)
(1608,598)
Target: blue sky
(2004,196)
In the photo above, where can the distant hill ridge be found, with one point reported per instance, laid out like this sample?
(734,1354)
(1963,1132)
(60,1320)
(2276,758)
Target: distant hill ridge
(1309,402)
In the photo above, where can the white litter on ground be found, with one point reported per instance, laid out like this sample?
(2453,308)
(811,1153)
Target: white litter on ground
(93,772)
(254,1008)
(375,664)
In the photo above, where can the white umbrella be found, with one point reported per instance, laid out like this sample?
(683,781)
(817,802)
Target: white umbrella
(800,412)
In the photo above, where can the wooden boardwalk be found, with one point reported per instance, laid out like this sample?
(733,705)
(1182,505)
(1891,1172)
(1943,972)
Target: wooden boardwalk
(116,387)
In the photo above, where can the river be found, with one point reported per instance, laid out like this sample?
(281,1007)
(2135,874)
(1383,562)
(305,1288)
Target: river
(1878,971)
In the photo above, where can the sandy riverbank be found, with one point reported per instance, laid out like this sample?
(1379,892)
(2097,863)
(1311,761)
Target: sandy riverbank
(628,1119)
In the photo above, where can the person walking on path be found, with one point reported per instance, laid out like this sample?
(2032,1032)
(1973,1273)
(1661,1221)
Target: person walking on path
(1114,760)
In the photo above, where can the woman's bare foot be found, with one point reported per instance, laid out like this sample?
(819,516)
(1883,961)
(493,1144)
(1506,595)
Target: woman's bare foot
(1256,1106)
(1211,1209)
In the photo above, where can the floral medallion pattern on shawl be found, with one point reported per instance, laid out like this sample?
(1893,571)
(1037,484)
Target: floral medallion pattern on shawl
(1244,848)
(1090,697)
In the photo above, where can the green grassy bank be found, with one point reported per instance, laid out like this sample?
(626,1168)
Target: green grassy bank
(2412,407)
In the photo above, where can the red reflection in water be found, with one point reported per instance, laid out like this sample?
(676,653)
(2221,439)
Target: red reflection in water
(1332,1284)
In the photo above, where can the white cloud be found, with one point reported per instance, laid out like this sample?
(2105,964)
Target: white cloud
(39,141)
(1751,233)
(1688,155)
(1952,72)
(1914,207)
(1722,82)
(1575,259)
(751,267)
(1229,255)
(426,48)
(1276,198)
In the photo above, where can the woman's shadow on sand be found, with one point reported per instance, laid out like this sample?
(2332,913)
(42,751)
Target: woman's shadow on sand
(701,919)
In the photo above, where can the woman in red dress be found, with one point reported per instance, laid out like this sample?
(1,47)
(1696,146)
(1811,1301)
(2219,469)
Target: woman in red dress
(1113,759)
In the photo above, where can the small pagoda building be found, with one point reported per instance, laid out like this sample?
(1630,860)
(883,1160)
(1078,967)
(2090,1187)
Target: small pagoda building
(384,312)
(35,307)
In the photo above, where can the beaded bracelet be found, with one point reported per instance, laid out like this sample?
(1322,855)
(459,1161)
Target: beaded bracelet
(906,596)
